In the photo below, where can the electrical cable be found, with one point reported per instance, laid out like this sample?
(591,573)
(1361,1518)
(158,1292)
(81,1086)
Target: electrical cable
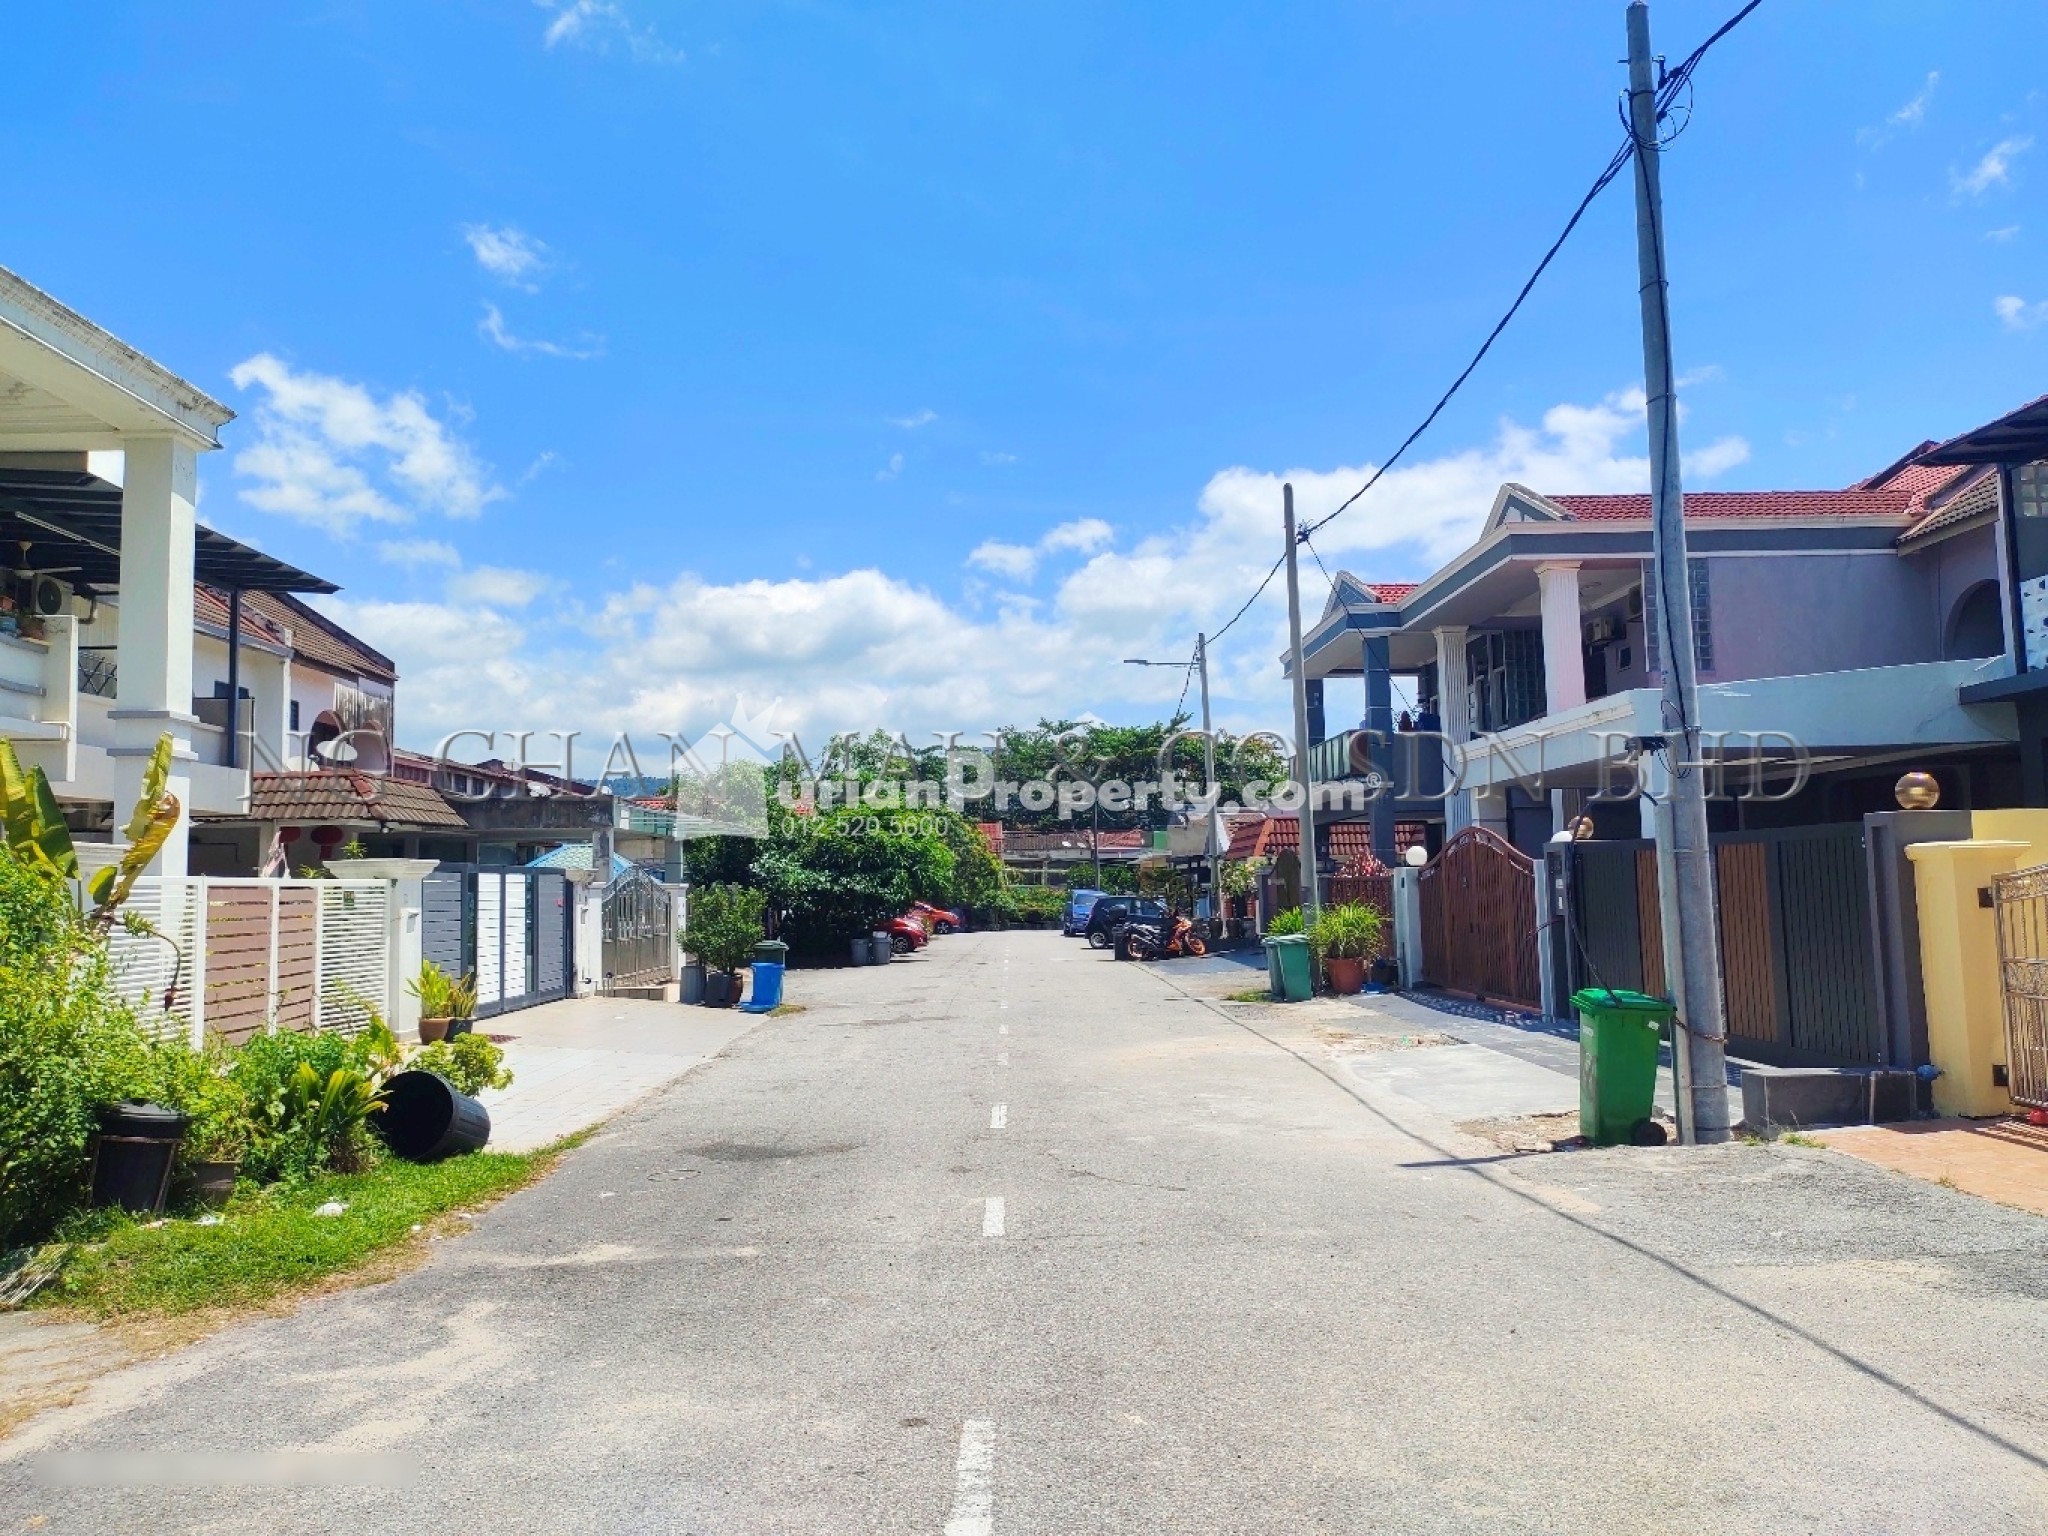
(1668,90)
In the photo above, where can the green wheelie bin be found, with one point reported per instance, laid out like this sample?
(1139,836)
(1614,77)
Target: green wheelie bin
(1287,968)
(1619,1033)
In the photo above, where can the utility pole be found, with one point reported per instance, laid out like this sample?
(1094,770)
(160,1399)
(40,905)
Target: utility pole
(1209,838)
(1684,857)
(1311,882)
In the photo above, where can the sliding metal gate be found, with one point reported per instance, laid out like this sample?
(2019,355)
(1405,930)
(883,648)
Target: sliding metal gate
(1798,967)
(639,932)
(507,927)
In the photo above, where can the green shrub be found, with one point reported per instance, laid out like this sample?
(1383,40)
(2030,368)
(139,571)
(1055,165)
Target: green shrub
(472,1062)
(309,1097)
(441,995)
(67,1043)
(1351,931)
(724,926)
(1285,922)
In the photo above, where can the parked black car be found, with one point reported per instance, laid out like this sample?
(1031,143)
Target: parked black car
(1112,912)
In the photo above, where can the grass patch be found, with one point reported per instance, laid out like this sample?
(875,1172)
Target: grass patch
(268,1244)
(784,1010)
(1797,1139)
(1250,995)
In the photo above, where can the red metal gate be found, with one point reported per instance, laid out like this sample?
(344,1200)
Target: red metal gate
(1479,920)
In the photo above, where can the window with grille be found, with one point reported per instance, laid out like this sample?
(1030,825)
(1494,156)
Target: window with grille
(1702,619)
(2030,489)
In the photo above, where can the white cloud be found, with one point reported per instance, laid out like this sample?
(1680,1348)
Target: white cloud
(2017,314)
(1085,535)
(2003,234)
(598,24)
(1995,169)
(497,586)
(915,419)
(892,469)
(494,330)
(1907,117)
(413,553)
(998,458)
(1017,561)
(330,453)
(853,650)
(508,254)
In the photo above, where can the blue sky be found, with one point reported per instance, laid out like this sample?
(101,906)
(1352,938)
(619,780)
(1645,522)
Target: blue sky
(625,361)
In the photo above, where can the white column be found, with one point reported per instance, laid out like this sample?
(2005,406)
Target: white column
(1564,657)
(1453,689)
(160,485)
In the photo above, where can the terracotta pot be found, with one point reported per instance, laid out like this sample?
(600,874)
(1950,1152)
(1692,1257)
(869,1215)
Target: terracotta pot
(1346,976)
(433,1031)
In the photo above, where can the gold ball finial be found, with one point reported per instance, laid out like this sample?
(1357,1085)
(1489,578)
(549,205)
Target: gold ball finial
(1917,791)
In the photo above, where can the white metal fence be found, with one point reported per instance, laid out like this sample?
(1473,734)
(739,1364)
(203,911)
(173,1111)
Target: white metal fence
(241,957)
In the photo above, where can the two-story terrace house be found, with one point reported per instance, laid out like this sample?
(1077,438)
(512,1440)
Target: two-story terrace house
(1838,635)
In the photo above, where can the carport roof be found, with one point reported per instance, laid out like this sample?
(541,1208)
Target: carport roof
(2018,437)
(72,519)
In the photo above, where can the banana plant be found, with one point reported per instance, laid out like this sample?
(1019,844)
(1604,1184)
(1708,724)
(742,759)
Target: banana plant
(35,826)
(149,827)
(37,836)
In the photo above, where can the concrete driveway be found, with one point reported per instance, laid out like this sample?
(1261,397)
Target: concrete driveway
(1014,1238)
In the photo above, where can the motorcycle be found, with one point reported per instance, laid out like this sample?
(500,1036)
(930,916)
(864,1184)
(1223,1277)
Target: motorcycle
(1149,941)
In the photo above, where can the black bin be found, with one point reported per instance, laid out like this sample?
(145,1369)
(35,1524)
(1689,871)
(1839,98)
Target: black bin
(133,1154)
(424,1119)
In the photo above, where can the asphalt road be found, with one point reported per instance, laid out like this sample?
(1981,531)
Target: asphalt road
(1015,1238)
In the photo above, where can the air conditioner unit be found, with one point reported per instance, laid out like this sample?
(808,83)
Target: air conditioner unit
(51,595)
(1601,631)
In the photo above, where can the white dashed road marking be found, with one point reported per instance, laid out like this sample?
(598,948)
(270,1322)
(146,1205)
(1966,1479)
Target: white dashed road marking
(992,1216)
(1002,1058)
(998,1116)
(974,1496)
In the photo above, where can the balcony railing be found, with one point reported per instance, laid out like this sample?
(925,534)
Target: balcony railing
(97,671)
(1330,762)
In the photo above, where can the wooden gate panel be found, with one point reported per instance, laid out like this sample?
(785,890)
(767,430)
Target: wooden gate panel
(1741,875)
(1480,937)
(1650,924)
(237,960)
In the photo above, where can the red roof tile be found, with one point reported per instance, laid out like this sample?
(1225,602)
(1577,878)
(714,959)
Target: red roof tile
(1389,591)
(352,799)
(1349,842)
(210,607)
(1745,504)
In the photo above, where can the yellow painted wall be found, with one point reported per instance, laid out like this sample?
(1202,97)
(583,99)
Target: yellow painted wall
(1959,957)
(2022,826)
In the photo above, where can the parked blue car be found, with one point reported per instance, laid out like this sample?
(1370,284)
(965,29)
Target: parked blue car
(1079,904)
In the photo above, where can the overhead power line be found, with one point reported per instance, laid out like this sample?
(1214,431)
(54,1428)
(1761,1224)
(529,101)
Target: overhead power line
(1674,82)
(1668,90)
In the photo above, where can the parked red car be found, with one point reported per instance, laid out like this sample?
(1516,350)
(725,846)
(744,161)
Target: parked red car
(906,934)
(937,919)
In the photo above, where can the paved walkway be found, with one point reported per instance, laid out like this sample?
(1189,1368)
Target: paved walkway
(2002,1160)
(584,1059)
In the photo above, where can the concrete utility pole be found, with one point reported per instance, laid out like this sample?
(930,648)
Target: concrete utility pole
(1311,883)
(1684,857)
(1209,838)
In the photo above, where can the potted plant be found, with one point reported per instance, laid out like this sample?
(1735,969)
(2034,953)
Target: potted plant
(723,927)
(447,1002)
(1345,937)
(216,1106)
